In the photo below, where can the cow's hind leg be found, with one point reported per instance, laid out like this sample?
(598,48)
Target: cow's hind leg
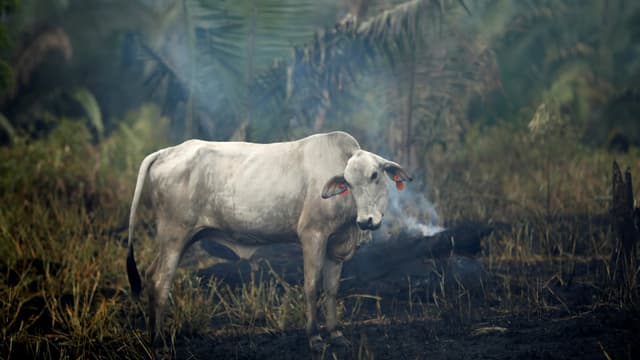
(172,243)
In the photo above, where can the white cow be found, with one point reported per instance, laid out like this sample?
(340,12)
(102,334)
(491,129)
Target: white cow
(322,191)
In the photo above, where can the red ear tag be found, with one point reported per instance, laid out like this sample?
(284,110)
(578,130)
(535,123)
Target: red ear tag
(399,185)
(344,192)
(396,178)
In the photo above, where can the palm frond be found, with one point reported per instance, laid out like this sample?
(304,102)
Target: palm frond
(207,54)
(334,58)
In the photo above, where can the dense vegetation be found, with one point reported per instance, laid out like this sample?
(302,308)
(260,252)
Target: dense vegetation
(508,112)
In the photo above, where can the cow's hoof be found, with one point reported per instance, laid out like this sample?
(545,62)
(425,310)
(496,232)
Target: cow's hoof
(316,343)
(338,339)
(161,353)
(160,349)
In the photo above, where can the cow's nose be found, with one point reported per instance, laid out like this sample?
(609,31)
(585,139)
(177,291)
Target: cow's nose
(368,224)
(365,224)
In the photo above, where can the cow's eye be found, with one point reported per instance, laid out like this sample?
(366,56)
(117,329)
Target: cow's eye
(374,175)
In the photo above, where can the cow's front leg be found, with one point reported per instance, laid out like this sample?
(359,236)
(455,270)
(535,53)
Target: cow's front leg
(331,283)
(313,252)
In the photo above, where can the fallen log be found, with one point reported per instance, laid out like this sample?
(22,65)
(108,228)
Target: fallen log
(395,259)
(383,258)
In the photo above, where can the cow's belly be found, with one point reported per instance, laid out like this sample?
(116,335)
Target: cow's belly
(243,245)
(253,239)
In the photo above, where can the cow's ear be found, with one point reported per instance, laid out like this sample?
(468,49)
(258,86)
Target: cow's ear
(396,173)
(337,185)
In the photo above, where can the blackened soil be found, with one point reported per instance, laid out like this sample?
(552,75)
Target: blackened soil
(577,321)
(599,334)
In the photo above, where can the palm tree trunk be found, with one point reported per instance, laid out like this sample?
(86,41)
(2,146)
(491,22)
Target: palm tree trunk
(250,61)
(189,106)
(408,113)
(357,8)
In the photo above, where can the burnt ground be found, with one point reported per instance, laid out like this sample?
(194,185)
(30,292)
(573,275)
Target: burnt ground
(540,313)
(598,334)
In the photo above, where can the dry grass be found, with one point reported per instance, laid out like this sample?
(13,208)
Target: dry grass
(63,288)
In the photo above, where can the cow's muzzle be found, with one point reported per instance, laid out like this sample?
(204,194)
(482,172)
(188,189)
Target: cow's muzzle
(368,224)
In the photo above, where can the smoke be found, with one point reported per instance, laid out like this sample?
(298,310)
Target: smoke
(414,227)
(410,212)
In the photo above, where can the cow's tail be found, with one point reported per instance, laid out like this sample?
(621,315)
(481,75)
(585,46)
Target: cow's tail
(132,268)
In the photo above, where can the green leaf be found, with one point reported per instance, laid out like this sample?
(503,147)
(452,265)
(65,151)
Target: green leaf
(90,105)
(8,129)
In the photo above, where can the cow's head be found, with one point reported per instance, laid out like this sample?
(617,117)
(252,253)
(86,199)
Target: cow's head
(363,177)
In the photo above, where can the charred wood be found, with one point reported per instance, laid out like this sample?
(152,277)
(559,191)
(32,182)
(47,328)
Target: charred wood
(382,261)
(625,221)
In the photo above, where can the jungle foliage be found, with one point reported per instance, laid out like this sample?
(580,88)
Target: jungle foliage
(416,74)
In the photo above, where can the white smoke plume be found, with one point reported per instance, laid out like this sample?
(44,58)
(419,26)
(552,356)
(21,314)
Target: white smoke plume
(410,212)
(415,227)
